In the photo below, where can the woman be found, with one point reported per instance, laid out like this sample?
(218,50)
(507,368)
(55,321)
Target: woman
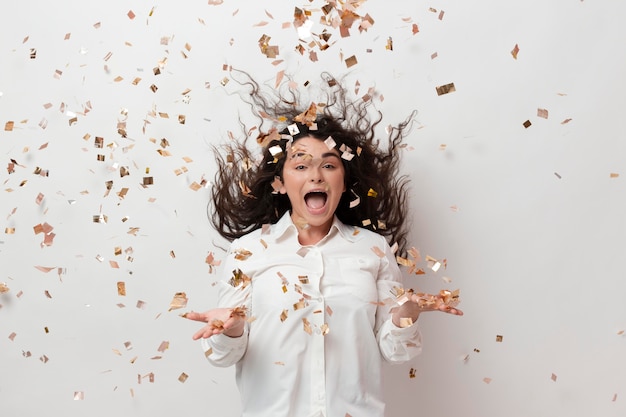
(313,300)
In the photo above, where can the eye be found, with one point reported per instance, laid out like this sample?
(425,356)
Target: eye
(329,166)
(300,167)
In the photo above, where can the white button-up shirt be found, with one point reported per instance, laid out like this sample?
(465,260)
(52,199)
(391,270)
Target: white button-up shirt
(318,325)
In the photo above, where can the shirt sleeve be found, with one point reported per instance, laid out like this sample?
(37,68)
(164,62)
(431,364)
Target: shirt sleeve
(397,345)
(222,350)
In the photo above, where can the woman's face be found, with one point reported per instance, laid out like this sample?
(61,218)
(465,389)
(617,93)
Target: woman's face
(313,179)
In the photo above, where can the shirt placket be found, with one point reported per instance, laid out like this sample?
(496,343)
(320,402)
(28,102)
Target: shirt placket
(317,320)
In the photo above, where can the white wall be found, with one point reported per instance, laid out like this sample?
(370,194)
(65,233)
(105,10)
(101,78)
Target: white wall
(535,243)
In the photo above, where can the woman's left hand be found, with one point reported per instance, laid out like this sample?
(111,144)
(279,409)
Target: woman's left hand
(416,303)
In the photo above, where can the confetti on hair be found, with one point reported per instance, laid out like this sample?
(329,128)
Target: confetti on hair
(330,142)
(356,200)
(308,117)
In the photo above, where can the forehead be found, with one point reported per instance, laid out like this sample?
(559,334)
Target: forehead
(312,146)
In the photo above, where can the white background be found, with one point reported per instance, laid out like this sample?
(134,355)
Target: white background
(530,220)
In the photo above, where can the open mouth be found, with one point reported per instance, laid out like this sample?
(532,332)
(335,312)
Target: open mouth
(315,199)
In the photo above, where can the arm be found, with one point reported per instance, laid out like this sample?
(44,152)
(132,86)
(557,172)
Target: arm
(398,333)
(224,337)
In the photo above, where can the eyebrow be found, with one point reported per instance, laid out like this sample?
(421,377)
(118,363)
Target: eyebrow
(328,154)
(301,153)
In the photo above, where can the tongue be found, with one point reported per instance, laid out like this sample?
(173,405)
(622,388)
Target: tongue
(315,201)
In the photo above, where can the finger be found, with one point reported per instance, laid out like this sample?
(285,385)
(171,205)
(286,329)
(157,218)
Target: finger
(205,332)
(451,310)
(192,315)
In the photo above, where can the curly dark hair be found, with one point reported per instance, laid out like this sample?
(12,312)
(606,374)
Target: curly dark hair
(243,196)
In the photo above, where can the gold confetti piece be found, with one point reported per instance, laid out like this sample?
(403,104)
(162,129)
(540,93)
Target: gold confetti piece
(121,288)
(239,278)
(351,61)
(621,332)
(8,126)
(445,89)
(79,395)
(515,51)
(299,305)
(378,251)
(4,289)
(412,372)
(543,113)
(499,338)
(239,312)
(389,45)
(242,254)
(141,304)
(164,346)
(324,329)
(372,193)
(183,377)
(217,324)
(44,358)
(614,397)
(179,301)
(553,377)
(307,326)
(406,322)
(566,121)
(557,175)
(208,352)
(47,294)
(308,117)
(613,175)
(486,380)
(284,315)
(527,124)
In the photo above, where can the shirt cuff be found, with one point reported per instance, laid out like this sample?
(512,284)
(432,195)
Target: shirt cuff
(404,333)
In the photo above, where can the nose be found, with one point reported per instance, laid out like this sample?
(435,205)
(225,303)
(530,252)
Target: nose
(316,176)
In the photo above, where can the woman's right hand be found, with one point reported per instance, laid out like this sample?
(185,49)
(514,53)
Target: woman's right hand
(228,321)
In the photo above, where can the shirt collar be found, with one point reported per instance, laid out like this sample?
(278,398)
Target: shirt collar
(285,227)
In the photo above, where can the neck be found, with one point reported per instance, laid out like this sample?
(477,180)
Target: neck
(311,235)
